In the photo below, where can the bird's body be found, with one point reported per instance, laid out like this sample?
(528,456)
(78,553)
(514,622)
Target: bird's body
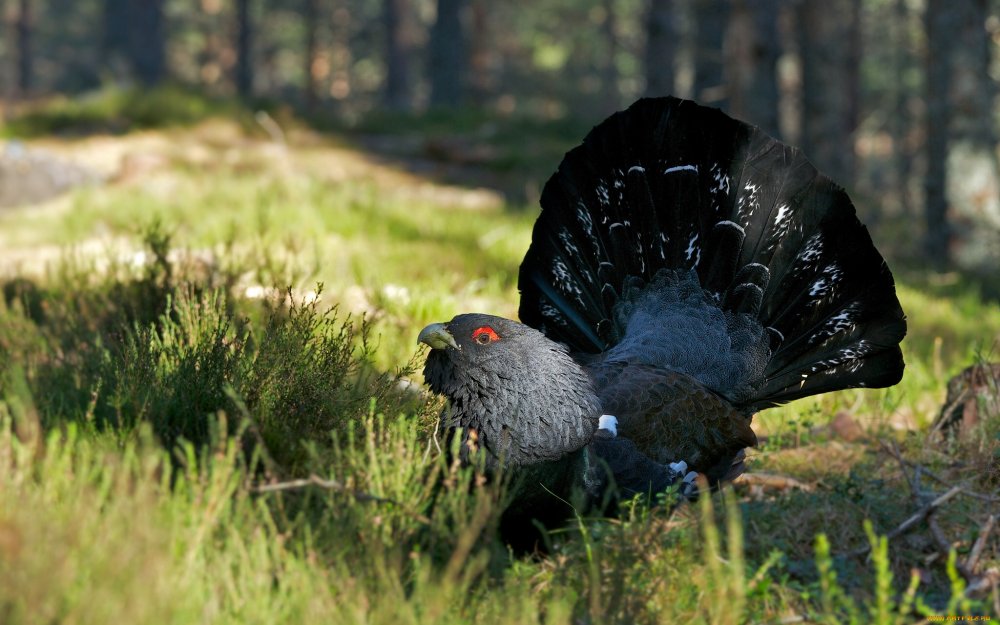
(685,272)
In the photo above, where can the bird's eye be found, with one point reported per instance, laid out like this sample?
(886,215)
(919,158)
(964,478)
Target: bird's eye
(485,335)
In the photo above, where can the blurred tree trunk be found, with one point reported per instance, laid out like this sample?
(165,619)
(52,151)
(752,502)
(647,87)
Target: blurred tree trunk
(24,52)
(397,54)
(114,35)
(147,43)
(610,70)
(311,23)
(661,37)
(901,121)
(207,58)
(342,79)
(970,211)
(753,48)
(447,51)
(939,26)
(244,55)
(480,85)
(711,18)
(829,88)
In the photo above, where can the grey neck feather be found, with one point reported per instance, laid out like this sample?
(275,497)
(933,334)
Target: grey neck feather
(526,406)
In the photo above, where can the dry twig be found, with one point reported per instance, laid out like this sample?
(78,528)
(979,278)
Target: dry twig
(920,469)
(914,519)
(945,547)
(334,485)
(972,562)
(773,480)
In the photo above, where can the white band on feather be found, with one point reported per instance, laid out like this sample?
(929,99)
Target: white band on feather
(608,422)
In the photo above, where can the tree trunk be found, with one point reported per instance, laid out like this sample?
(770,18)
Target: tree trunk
(829,98)
(244,55)
(311,23)
(24,57)
(397,54)
(342,79)
(939,25)
(900,122)
(711,17)
(480,83)
(753,48)
(610,70)
(972,179)
(661,37)
(114,35)
(147,41)
(448,55)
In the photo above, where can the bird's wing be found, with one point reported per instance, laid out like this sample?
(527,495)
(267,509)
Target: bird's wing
(671,417)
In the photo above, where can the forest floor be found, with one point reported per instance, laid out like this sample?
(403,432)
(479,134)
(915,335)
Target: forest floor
(156,376)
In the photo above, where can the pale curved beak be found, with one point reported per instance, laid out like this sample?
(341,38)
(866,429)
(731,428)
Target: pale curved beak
(437,336)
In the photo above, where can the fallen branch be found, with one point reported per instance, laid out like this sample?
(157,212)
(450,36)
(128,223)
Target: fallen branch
(983,584)
(934,476)
(913,482)
(972,562)
(773,480)
(922,513)
(945,548)
(334,485)
(913,520)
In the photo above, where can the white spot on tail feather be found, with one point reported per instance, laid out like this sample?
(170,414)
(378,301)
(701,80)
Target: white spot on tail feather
(748,201)
(842,322)
(565,282)
(552,313)
(677,168)
(850,358)
(828,281)
(783,211)
(721,179)
(602,194)
(693,250)
(813,249)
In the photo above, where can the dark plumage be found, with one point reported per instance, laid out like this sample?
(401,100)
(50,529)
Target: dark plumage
(498,377)
(686,271)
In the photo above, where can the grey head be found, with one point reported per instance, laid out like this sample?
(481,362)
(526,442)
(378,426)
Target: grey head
(518,396)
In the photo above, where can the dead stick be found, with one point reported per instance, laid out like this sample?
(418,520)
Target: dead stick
(894,452)
(983,583)
(944,547)
(772,480)
(334,485)
(940,480)
(915,518)
(972,562)
(922,513)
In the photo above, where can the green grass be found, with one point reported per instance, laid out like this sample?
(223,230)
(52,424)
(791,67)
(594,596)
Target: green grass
(116,110)
(141,402)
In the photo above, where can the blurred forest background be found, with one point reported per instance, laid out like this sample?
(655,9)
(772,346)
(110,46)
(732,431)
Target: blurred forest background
(894,99)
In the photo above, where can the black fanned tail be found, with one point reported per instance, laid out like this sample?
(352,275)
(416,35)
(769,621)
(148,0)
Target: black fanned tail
(671,184)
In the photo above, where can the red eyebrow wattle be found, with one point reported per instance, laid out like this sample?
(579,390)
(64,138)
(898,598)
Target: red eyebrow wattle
(488,331)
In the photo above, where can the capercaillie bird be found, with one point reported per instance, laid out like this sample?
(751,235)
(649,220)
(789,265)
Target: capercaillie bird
(686,271)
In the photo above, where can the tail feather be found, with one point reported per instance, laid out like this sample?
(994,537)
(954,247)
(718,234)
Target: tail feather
(672,185)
